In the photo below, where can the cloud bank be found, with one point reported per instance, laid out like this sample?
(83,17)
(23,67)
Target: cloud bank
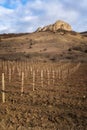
(27,15)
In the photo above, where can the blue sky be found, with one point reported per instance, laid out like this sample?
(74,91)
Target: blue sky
(27,15)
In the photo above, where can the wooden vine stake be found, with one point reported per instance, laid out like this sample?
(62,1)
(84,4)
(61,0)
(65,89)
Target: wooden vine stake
(48,73)
(53,76)
(33,80)
(3,88)
(42,78)
(22,84)
(31,69)
(9,74)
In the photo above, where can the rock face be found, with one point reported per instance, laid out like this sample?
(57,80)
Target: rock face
(55,27)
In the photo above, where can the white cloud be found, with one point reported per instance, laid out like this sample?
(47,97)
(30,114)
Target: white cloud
(54,11)
(3,28)
(4,11)
(28,17)
(58,11)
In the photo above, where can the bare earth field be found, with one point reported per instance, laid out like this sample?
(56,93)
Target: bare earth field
(58,101)
(43,81)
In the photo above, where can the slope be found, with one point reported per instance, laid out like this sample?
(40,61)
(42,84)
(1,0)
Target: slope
(45,46)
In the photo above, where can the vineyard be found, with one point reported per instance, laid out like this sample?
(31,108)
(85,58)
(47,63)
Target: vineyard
(39,96)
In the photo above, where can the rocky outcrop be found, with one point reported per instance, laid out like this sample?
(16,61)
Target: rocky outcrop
(55,27)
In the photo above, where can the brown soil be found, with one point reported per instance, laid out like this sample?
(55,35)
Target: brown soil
(62,106)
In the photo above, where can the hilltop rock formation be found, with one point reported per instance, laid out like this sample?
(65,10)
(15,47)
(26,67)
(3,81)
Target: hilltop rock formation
(55,27)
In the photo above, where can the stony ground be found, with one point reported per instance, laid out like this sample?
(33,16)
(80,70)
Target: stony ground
(59,107)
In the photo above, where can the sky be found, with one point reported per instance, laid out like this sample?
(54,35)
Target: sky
(20,16)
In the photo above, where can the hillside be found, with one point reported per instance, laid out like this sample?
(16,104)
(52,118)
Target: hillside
(45,46)
(84,33)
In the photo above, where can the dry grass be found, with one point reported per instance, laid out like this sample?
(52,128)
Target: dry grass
(41,44)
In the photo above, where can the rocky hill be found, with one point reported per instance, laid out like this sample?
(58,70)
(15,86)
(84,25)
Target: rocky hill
(58,25)
(45,45)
